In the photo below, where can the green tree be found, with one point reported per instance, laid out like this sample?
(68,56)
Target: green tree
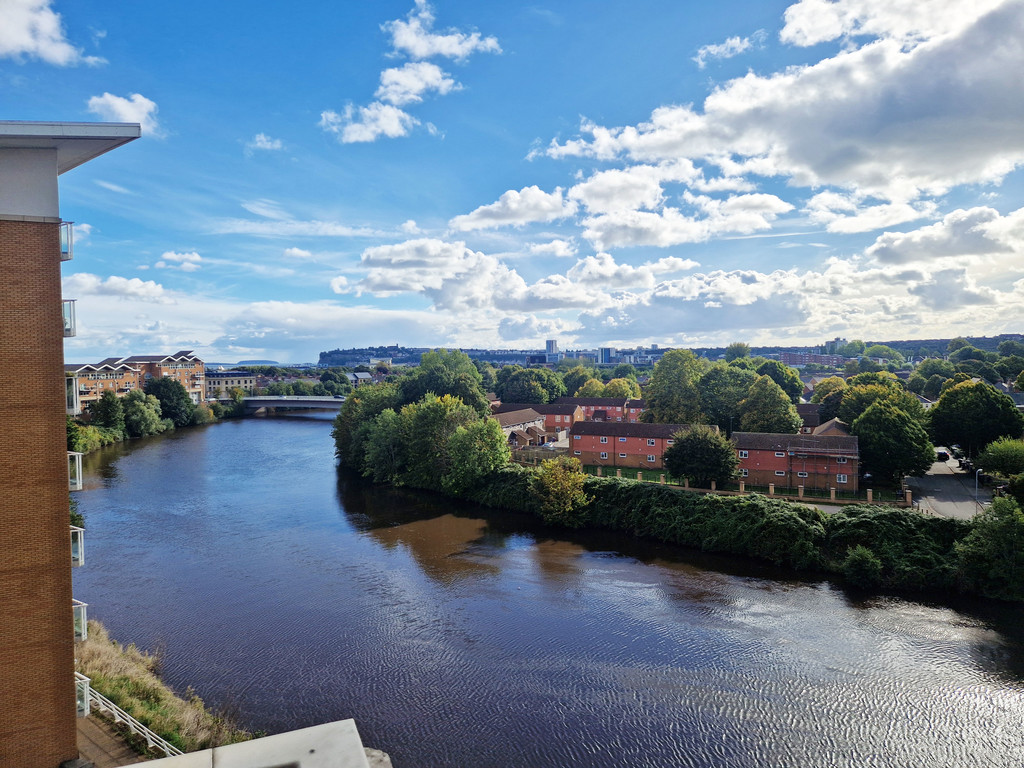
(384,448)
(558,487)
(175,402)
(142,414)
(862,568)
(1019,383)
(885,352)
(825,387)
(426,427)
(722,388)
(446,372)
(302,388)
(916,382)
(108,412)
(1010,367)
(966,353)
(475,451)
(591,388)
(737,350)
(856,400)
(893,444)
(672,394)
(934,365)
(767,409)
(524,389)
(933,387)
(576,377)
(853,348)
(624,371)
(1003,456)
(627,388)
(787,378)
(972,415)
(701,454)
(361,407)
(1011,348)
(991,556)
(956,344)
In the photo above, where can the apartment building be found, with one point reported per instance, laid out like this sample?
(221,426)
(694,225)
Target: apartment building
(92,380)
(37,670)
(820,461)
(220,383)
(606,408)
(187,369)
(622,444)
(558,417)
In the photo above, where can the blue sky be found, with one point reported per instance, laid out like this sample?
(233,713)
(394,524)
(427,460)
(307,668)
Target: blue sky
(453,173)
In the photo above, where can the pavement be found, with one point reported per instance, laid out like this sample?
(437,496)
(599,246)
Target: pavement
(102,746)
(947,491)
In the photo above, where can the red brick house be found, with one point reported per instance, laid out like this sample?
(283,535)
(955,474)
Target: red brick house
(622,444)
(606,408)
(557,416)
(789,461)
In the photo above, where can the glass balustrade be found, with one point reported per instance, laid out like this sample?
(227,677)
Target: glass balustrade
(74,405)
(69,317)
(67,241)
(74,471)
(82,694)
(81,619)
(77,546)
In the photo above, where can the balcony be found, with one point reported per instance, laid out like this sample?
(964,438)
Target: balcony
(74,405)
(74,471)
(82,694)
(77,546)
(69,317)
(81,620)
(67,241)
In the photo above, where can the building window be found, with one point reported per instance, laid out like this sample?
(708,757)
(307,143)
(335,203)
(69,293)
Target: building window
(840,478)
(604,455)
(622,439)
(575,437)
(604,439)
(841,460)
(780,453)
(780,473)
(618,418)
(575,453)
(801,474)
(743,473)
(622,455)
(743,454)
(650,458)
(650,441)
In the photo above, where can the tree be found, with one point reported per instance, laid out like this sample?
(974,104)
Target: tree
(475,451)
(722,388)
(142,414)
(558,487)
(966,353)
(933,365)
(785,377)
(1010,367)
(626,388)
(767,409)
(108,412)
(701,454)
(524,389)
(1019,383)
(361,407)
(958,343)
(576,377)
(991,556)
(175,403)
(916,382)
(624,371)
(591,388)
(426,427)
(1004,456)
(885,352)
(933,387)
(672,395)
(736,350)
(892,443)
(384,448)
(972,415)
(857,399)
(853,348)
(446,372)
(825,387)
(1011,348)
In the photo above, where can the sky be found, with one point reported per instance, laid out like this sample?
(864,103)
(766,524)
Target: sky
(467,174)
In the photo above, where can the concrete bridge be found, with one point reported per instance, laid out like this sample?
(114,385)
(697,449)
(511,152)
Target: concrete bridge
(294,402)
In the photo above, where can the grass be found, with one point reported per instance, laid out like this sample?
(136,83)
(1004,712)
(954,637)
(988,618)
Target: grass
(129,677)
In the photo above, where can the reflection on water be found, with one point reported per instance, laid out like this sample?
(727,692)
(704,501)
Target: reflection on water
(297,595)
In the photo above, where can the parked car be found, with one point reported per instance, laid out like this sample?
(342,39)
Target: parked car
(941,456)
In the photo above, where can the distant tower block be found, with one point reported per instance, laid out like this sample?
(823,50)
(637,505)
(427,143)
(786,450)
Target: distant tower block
(552,346)
(37,658)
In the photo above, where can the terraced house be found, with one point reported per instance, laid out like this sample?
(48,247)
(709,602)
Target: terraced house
(820,461)
(622,444)
(606,408)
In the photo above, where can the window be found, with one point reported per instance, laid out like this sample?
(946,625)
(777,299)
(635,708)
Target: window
(575,437)
(557,418)
(618,418)
(604,439)
(780,473)
(575,453)
(840,478)
(622,455)
(743,454)
(622,439)
(650,458)
(841,460)
(780,453)
(632,410)
(670,442)
(604,455)
(801,474)
(743,473)
(650,441)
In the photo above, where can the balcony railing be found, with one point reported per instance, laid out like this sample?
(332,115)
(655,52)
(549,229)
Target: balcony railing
(69,317)
(82,697)
(74,406)
(77,546)
(74,471)
(67,241)
(81,620)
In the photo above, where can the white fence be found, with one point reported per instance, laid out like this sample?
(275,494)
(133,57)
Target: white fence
(101,703)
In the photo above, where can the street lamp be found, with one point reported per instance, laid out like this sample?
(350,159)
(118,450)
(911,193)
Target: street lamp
(976,473)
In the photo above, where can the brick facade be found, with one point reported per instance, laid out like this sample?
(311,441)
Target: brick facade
(616,444)
(789,461)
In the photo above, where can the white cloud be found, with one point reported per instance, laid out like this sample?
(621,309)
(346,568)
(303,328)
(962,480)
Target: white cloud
(602,270)
(297,253)
(134,109)
(633,188)
(415,38)
(113,187)
(82,232)
(289,228)
(531,204)
(407,84)
(365,124)
(185,262)
(261,142)
(951,289)
(733,46)
(86,284)
(845,213)
(556,248)
(32,29)
(963,233)
(409,227)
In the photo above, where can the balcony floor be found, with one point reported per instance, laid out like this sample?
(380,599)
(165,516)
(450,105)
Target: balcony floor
(99,744)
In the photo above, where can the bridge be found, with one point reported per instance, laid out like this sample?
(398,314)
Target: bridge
(294,402)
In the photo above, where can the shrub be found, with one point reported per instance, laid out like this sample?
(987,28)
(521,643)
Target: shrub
(862,568)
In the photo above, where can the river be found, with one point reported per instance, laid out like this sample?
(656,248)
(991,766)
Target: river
(290,595)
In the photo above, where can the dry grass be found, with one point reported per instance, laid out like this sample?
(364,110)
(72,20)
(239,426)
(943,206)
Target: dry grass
(128,677)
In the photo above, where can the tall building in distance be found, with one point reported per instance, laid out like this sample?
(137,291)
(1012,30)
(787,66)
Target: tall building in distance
(551,346)
(37,656)
(604,355)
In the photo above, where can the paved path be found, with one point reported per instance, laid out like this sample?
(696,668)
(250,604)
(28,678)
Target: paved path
(948,492)
(99,744)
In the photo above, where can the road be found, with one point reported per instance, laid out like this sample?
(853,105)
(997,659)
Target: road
(948,492)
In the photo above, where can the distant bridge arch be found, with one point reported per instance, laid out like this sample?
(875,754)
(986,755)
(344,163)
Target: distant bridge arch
(294,402)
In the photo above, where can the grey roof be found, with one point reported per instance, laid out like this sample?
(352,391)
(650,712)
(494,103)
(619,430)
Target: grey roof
(75,143)
(626,429)
(523,416)
(609,402)
(552,408)
(776,441)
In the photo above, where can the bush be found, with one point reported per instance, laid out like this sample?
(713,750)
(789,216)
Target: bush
(862,568)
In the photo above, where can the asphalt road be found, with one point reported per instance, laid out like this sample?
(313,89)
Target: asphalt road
(948,492)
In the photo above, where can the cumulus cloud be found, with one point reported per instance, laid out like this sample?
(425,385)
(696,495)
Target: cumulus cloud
(529,328)
(261,142)
(297,253)
(86,284)
(528,205)
(32,29)
(845,213)
(951,289)
(733,46)
(136,108)
(556,248)
(186,262)
(414,38)
(974,232)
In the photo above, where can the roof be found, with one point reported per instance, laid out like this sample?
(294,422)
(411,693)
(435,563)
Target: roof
(809,413)
(76,143)
(512,418)
(833,427)
(626,429)
(184,354)
(607,402)
(552,408)
(774,441)
(522,436)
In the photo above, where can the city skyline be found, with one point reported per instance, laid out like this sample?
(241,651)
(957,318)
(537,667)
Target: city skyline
(467,175)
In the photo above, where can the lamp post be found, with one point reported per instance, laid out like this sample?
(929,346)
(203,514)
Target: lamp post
(977,472)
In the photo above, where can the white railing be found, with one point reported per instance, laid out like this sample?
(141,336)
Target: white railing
(81,619)
(102,704)
(77,546)
(68,311)
(74,471)
(67,241)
